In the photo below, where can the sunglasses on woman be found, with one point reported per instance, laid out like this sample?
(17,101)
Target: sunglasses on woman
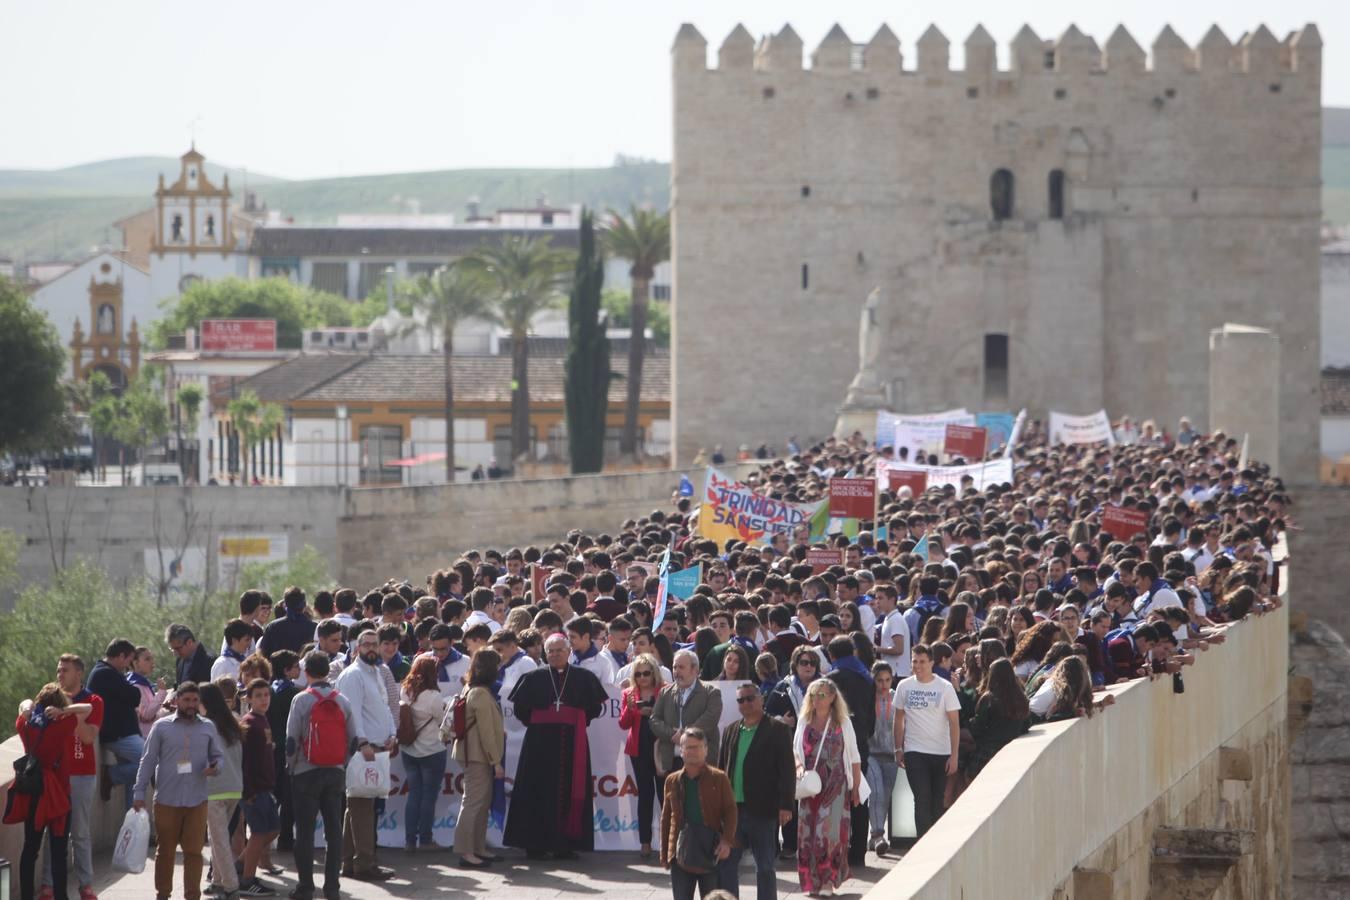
(643,674)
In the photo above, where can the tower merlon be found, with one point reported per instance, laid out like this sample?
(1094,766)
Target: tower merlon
(781,52)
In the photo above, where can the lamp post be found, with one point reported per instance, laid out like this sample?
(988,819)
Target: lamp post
(340,440)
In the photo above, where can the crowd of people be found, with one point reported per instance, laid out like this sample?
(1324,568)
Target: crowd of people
(977,615)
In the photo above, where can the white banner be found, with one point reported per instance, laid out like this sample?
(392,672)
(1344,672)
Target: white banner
(926,434)
(1018,424)
(996,471)
(1090,429)
(888,421)
(612,783)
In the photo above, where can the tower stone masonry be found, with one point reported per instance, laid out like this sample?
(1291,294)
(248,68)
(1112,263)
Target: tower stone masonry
(1063,235)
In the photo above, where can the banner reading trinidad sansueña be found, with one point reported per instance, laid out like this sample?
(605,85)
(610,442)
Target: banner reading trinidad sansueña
(731,510)
(1089,429)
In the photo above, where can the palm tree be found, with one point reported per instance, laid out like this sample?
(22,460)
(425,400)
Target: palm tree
(644,240)
(190,397)
(526,276)
(445,298)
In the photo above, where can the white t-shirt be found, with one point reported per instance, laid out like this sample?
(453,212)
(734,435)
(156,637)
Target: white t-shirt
(925,707)
(514,672)
(600,665)
(1043,699)
(478,617)
(895,633)
(224,665)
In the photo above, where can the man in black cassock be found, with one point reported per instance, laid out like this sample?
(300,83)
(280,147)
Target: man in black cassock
(551,805)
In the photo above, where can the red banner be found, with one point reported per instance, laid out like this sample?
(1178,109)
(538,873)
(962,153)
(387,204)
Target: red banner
(898,478)
(820,559)
(1122,523)
(966,440)
(235,335)
(538,582)
(853,498)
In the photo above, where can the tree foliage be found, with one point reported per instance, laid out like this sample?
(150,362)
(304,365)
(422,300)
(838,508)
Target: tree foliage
(619,309)
(33,405)
(295,308)
(587,365)
(527,276)
(643,238)
(82,609)
(254,421)
(442,300)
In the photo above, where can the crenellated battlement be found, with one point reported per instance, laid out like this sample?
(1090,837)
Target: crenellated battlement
(1257,52)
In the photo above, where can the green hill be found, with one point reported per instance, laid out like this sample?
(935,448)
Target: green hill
(65,213)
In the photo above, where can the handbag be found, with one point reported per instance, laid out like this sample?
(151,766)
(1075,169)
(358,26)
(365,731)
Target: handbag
(28,777)
(809,783)
(406,733)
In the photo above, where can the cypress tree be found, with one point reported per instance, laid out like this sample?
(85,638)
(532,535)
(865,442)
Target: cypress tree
(587,366)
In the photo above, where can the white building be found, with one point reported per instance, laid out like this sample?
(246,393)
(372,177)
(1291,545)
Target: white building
(66,300)
(195,238)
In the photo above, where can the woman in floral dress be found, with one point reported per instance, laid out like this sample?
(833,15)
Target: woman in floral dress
(825,742)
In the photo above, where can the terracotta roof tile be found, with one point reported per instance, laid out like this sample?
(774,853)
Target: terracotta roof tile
(419,379)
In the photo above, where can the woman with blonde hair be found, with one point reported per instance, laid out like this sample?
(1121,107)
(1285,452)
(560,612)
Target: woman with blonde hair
(825,744)
(635,714)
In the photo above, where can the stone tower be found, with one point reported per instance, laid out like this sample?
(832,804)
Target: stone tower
(1061,235)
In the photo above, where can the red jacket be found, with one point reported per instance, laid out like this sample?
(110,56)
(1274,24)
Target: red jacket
(49,745)
(631,718)
(1125,661)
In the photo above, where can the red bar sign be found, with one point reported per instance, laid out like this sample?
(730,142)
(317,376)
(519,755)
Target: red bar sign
(853,498)
(234,335)
(914,480)
(1123,523)
(966,440)
(821,559)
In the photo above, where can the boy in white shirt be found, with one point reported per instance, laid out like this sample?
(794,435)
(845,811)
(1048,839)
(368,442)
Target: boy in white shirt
(927,735)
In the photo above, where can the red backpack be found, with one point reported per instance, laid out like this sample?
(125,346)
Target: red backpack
(326,742)
(459,718)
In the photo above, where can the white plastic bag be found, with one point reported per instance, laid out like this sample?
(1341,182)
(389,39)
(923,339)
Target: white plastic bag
(368,778)
(133,842)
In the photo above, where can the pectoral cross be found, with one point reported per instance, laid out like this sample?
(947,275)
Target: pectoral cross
(557,705)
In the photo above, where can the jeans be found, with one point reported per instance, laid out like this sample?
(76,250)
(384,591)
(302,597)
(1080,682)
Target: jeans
(425,776)
(760,834)
(649,787)
(682,883)
(32,845)
(927,777)
(127,751)
(881,779)
(314,793)
(81,806)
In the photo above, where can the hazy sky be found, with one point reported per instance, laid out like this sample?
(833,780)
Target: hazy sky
(306,89)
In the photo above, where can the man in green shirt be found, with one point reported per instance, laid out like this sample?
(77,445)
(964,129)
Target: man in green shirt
(756,753)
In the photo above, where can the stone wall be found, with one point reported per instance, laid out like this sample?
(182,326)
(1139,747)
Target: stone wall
(1321,766)
(115,527)
(411,531)
(1192,198)
(1083,808)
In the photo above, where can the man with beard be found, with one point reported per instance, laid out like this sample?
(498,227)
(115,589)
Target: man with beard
(554,703)
(363,685)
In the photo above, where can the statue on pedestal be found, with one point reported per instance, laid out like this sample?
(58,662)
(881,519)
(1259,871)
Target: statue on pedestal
(866,394)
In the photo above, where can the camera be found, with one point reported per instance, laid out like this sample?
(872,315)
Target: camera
(1178,686)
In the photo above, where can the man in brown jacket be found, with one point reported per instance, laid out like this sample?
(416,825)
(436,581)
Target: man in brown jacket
(699,795)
